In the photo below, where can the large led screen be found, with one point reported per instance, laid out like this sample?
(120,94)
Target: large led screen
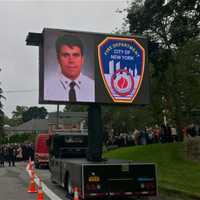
(83,67)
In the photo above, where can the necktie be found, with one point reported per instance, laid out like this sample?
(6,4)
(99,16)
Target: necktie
(72,93)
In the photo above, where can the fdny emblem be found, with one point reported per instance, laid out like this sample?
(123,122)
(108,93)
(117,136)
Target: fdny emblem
(121,62)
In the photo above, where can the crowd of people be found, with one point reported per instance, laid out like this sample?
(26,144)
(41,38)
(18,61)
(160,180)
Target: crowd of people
(10,153)
(162,134)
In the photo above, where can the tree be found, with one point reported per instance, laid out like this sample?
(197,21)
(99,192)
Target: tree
(75,108)
(184,82)
(17,115)
(34,113)
(1,114)
(168,26)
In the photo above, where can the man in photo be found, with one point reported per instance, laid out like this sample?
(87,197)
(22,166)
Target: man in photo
(69,84)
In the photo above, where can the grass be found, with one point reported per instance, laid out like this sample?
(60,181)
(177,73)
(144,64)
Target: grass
(174,172)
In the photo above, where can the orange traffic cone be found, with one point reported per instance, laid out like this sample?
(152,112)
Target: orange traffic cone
(40,195)
(32,188)
(76,197)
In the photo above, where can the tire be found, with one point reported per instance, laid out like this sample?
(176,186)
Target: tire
(54,182)
(37,165)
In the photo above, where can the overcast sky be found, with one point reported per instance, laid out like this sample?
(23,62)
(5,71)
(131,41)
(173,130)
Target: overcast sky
(19,63)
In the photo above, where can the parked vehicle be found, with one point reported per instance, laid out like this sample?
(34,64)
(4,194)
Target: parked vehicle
(41,156)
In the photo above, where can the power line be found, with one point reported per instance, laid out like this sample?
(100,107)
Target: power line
(20,91)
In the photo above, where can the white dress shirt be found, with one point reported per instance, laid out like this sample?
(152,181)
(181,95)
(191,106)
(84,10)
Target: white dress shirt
(56,88)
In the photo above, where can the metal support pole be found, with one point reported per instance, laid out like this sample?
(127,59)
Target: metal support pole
(95,133)
(57,117)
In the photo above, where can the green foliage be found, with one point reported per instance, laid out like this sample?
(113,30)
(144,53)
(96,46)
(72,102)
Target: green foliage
(170,24)
(174,171)
(12,121)
(21,138)
(124,119)
(3,140)
(183,82)
(172,30)
(34,113)
(75,108)
(19,111)
(24,114)
(17,117)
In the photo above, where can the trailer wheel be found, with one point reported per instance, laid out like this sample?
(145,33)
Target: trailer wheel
(37,165)
(52,180)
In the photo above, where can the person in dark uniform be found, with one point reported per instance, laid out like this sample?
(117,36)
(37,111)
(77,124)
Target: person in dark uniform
(11,156)
(2,157)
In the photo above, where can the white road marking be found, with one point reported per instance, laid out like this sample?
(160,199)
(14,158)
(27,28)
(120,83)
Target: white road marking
(45,189)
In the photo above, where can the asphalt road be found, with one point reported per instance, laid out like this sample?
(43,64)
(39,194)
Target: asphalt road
(14,183)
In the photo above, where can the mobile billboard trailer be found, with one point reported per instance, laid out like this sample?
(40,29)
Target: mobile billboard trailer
(117,69)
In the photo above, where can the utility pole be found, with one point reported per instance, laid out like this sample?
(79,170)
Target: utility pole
(57,117)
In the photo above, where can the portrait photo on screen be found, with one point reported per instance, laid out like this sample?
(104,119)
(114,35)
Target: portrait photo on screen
(68,61)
